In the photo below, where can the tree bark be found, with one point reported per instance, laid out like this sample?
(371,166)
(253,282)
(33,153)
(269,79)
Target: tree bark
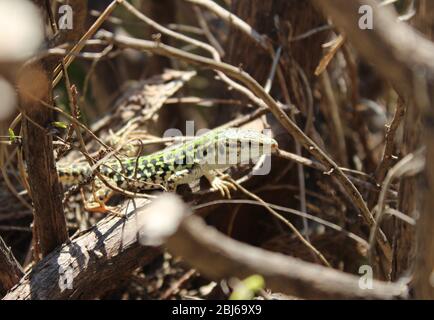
(45,190)
(89,265)
(10,270)
(35,85)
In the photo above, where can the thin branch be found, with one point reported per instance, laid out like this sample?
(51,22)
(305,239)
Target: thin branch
(326,223)
(335,117)
(70,56)
(395,49)
(389,148)
(207,32)
(284,221)
(411,164)
(232,19)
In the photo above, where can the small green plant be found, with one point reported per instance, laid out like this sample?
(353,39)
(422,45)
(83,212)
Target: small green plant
(247,288)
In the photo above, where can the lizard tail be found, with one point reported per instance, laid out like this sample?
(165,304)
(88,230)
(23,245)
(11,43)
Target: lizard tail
(74,174)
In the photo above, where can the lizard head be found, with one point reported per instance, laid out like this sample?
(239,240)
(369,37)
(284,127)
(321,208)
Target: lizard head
(249,137)
(250,142)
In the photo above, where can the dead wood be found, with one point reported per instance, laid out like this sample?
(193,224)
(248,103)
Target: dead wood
(10,270)
(90,264)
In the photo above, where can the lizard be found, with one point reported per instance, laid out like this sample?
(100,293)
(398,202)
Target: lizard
(205,155)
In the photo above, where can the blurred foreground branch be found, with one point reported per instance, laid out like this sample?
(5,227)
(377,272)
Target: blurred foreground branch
(217,256)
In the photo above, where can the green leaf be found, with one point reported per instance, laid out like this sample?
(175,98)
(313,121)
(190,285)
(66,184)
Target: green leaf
(12,136)
(60,124)
(255,282)
(246,289)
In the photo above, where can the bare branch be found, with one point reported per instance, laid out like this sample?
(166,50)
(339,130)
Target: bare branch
(218,256)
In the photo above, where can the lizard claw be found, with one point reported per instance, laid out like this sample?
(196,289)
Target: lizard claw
(223,186)
(98,205)
(102,208)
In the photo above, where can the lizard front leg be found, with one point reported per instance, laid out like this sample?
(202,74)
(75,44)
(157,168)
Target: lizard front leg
(101,194)
(219,184)
(184,176)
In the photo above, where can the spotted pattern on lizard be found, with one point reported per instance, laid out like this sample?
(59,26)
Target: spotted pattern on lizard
(183,163)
